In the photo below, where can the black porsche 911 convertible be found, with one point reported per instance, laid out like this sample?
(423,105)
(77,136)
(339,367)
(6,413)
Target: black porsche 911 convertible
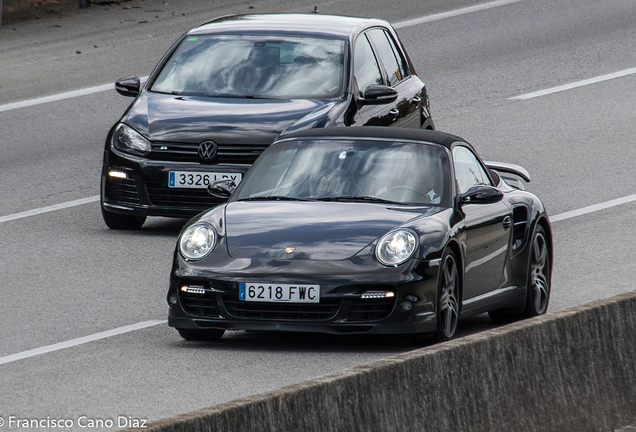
(368,230)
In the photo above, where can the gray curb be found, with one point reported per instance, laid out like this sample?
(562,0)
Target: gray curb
(574,370)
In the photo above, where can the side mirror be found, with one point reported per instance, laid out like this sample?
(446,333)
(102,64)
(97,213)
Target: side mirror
(129,87)
(481,195)
(222,188)
(377,94)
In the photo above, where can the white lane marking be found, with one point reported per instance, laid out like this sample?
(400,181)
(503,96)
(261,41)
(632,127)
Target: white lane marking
(145,324)
(401,24)
(453,13)
(557,218)
(95,198)
(593,208)
(79,341)
(49,208)
(61,96)
(57,97)
(573,85)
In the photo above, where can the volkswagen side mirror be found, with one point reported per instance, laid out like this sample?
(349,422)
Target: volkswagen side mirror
(222,188)
(377,94)
(129,87)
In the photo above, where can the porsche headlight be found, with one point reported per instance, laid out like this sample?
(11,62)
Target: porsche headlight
(197,241)
(128,140)
(396,247)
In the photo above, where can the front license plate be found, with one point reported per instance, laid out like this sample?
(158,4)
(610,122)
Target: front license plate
(191,179)
(290,293)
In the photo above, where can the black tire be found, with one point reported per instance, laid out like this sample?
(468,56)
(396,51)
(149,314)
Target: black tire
(538,284)
(448,295)
(201,335)
(118,221)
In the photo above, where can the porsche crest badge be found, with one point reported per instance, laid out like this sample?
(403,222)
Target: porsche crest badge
(289,250)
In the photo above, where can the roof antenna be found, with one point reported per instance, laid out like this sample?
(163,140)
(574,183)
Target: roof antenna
(315,10)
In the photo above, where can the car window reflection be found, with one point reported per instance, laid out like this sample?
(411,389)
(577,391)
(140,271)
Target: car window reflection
(396,172)
(366,68)
(468,170)
(387,56)
(254,66)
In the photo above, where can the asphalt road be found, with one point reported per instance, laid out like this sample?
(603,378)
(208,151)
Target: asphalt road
(66,276)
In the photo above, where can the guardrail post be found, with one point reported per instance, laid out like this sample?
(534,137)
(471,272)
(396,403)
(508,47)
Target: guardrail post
(82,3)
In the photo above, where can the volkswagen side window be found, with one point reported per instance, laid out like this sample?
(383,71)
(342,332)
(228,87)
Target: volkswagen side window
(401,61)
(365,66)
(386,55)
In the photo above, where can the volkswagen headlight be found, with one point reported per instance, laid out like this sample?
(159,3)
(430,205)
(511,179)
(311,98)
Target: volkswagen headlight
(128,140)
(197,241)
(396,247)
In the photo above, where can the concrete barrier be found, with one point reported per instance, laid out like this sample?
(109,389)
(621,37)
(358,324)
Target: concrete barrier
(574,370)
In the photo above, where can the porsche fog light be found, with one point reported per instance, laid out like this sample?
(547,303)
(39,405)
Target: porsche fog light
(377,294)
(173,299)
(406,306)
(117,174)
(197,241)
(193,289)
(128,140)
(396,247)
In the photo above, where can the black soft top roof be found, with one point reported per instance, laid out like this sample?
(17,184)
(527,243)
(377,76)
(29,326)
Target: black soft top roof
(389,133)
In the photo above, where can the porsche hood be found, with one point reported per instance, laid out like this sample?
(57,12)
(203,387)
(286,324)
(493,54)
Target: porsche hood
(310,230)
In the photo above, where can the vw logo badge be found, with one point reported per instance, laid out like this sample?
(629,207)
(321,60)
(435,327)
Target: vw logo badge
(207,150)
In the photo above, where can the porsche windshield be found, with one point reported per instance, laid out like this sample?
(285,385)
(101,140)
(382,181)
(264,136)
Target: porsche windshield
(350,170)
(267,66)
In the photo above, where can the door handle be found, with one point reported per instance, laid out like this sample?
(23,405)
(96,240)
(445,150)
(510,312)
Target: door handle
(416,100)
(394,112)
(507,223)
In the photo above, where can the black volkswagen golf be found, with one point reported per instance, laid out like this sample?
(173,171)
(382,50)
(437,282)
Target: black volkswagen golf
(228,88)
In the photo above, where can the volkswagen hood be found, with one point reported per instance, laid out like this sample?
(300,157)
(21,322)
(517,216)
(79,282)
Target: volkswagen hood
(168,118)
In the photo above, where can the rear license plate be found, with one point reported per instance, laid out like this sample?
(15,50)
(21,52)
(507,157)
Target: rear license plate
(289,293)
(192,179)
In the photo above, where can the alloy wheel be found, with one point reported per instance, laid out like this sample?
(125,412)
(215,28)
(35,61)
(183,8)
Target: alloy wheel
(540,274)
(448,314)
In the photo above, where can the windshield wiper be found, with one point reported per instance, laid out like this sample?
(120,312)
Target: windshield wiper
(234,96)
(273,198)
(252,96)
(172,92)
(358,198)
